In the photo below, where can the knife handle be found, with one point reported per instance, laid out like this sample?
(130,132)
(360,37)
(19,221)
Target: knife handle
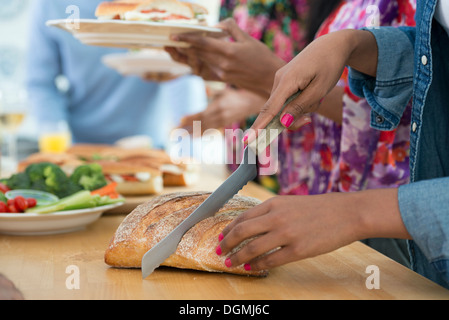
(272,130)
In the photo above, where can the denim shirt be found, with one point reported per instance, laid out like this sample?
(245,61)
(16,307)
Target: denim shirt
(413,63)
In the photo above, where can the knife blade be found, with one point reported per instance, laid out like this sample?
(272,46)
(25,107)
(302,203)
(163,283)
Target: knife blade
(246,172)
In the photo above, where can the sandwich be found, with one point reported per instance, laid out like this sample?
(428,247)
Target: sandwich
(174,174)
(67,162)
(131,178)
(173,11)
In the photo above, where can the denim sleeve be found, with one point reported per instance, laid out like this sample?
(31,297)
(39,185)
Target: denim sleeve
(389,93)
(423,207)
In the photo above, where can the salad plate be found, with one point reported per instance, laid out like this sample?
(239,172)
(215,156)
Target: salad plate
(130,34)
(31,224)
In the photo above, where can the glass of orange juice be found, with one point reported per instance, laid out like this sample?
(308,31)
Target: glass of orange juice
(55,137)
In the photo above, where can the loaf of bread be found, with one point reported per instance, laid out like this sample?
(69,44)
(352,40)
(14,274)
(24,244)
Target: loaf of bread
(150,222)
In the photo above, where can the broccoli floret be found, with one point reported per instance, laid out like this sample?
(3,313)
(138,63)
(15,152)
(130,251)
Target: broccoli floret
(44,176)
(49,177)
(69,189)
(35,171)
(39,185)
(18,181)
(58,183)
(54,177)
(89,177)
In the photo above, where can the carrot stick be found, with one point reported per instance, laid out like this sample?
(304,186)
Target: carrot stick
(106,190)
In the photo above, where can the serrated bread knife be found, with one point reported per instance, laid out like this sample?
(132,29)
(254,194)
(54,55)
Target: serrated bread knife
(246,172)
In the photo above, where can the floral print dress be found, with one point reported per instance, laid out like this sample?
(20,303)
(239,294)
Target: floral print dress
(279,24)
(326,157)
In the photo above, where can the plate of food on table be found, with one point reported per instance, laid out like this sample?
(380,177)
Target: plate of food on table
(54,193)
(42,198)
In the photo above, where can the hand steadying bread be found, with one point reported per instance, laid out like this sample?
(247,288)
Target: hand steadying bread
(152,221)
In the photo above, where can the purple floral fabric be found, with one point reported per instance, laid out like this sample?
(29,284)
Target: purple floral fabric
(326,157)
(323,156)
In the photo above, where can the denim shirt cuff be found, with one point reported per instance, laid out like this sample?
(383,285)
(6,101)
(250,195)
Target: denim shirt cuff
(389,93)
(423,207)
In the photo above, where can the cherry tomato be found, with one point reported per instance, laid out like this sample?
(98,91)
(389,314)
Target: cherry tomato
(10,202)
(4,188)
(13,209)
(31,202)
(3,207)
(20,203)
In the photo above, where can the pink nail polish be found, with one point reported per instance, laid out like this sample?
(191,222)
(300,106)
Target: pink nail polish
(247,267)
(245,138)
(287,120)
(218,251)
(228,262)
(220,237)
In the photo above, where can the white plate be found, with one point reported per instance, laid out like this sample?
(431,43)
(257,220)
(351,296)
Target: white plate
(30,224)
(144,62)
(129,34)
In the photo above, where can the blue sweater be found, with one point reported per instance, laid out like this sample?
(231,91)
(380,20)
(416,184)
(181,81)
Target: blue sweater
(101,106)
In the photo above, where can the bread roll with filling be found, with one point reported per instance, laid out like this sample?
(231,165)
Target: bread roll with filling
(115,9)
(132,179)
(152,10)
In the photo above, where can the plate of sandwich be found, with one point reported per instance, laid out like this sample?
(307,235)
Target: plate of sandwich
(137,24)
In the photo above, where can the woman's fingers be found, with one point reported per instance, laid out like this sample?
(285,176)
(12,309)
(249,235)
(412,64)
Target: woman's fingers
(246,216)
(176,55)
(209,43)
(200,41)
(276,258)
(296,113)
(230,26)
(252,251)
(259,237)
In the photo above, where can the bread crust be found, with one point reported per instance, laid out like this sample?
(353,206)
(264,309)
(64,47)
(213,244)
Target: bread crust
(118,167)
(67,162)
(197,9)
(117,159)
(120,7)
(136,188)
(116,7)
(154,185)
(150,222)
(171,6)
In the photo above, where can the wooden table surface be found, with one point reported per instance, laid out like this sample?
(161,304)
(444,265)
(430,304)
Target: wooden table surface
(71,266)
